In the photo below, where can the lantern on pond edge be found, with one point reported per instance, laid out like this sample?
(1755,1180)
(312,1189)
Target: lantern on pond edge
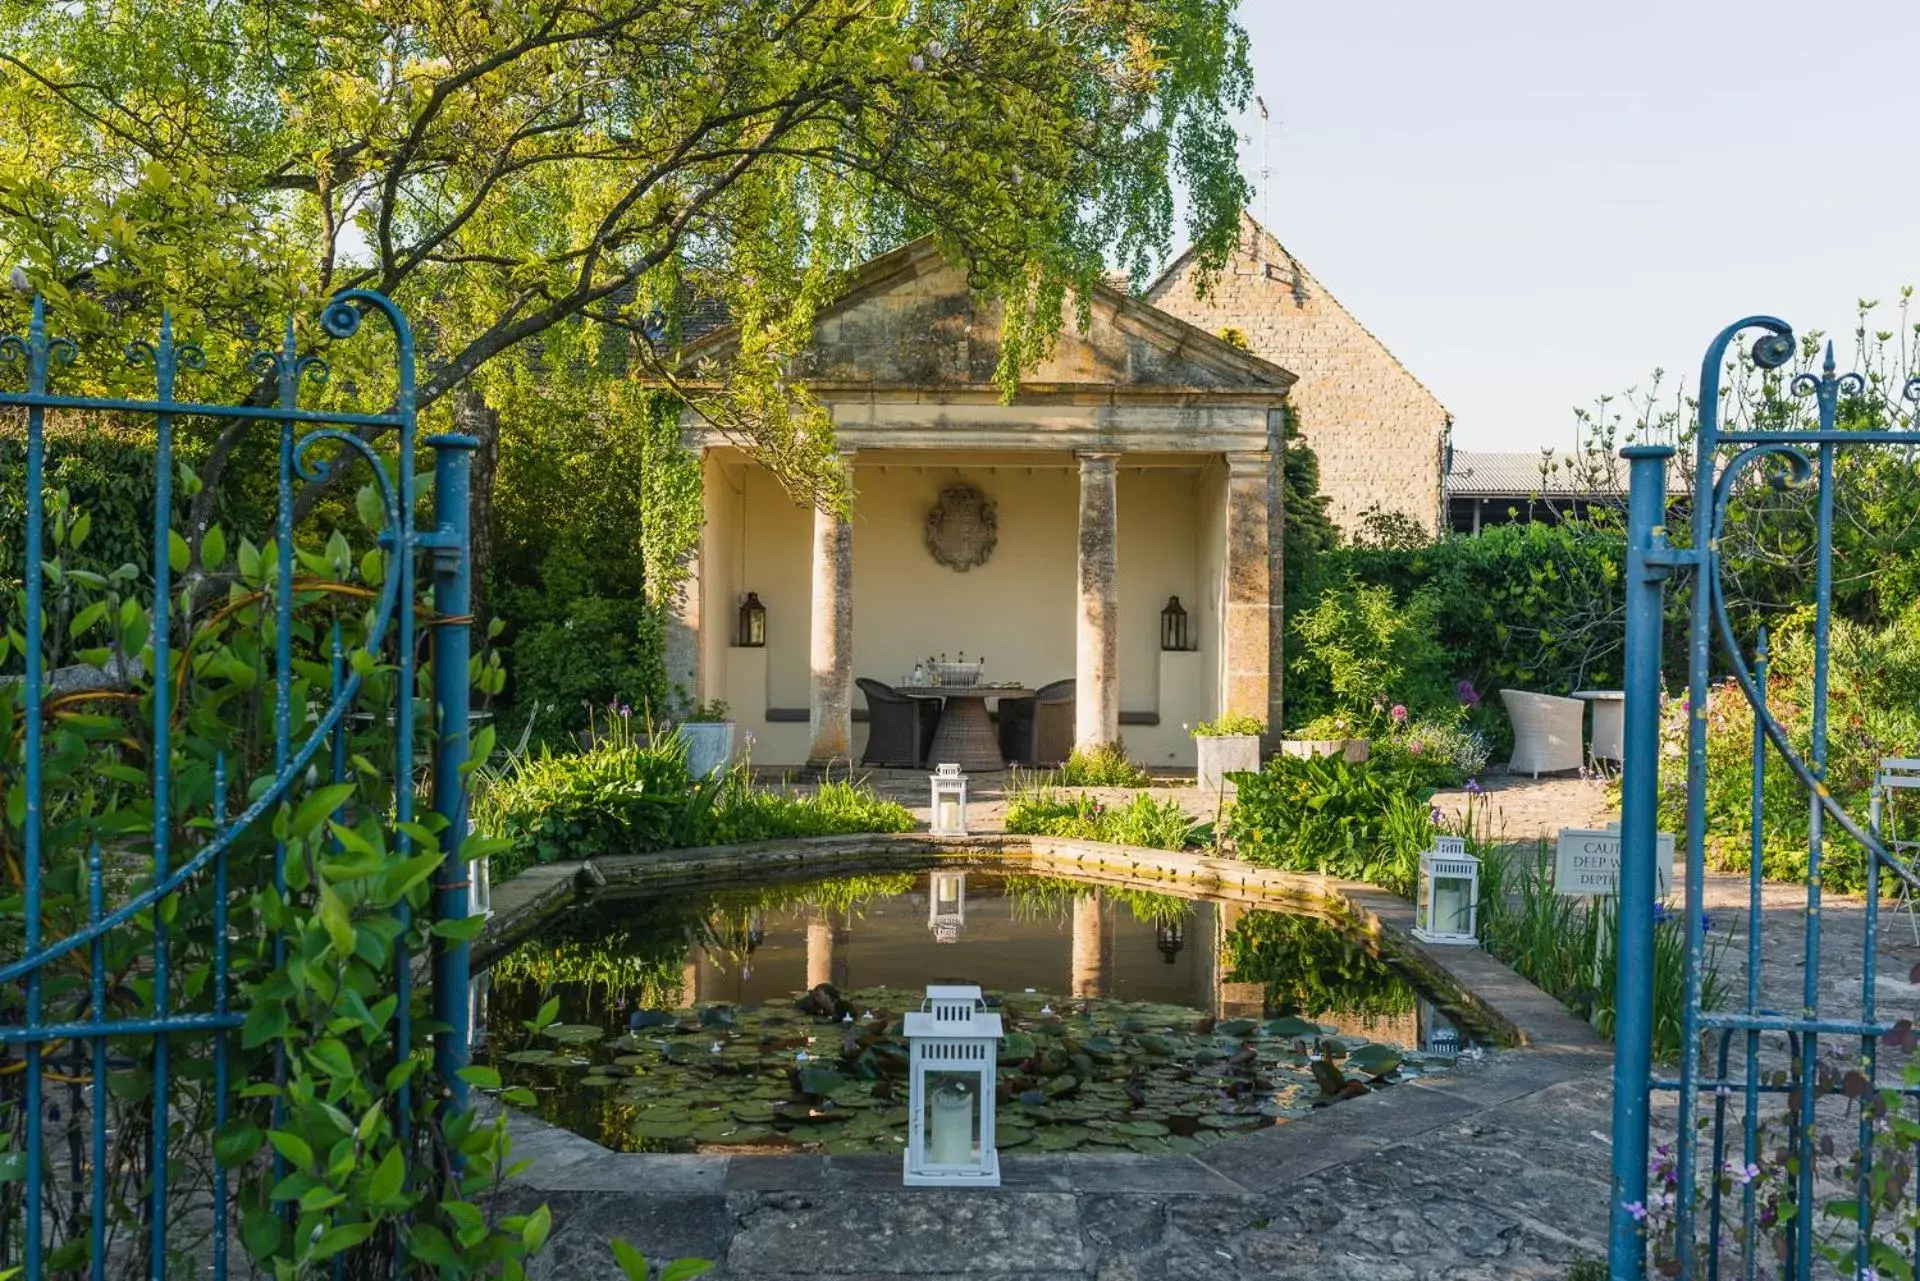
(1173,627)
(946,905)
(1169,937)
(953,1045)
(949,801)
(1448,909)
(753,623)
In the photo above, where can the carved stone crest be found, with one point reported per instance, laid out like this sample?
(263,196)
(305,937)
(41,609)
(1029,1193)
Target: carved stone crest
(962,529)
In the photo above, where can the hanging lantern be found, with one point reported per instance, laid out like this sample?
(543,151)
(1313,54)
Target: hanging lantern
(1169,937)
(1173,626)
(753,623)
(1448,909)
(953,1045)
(949,801)
(479,888)
(946,905)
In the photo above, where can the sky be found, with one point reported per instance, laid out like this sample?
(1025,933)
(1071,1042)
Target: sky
(1536,203)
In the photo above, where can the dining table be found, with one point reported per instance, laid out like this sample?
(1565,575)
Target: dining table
(965,735)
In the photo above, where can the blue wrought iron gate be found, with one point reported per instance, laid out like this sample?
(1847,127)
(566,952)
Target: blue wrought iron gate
(1733,1191)
(106,1000)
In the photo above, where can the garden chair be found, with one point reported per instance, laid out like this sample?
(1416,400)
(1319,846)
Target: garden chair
(1546,732)
(1039,730)
(899,728)
(1896,774)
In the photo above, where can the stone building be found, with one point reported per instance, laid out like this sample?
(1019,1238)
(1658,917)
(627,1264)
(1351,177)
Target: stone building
(1139,462)
(1379,433)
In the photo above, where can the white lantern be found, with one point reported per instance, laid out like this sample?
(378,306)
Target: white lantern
(953,1046)
(946,905)
(949,801)
(478,988)
(1436,1032)
(1448,910)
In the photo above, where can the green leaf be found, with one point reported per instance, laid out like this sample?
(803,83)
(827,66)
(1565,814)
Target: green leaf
(336,919)
(316,806)
(260,1233)
(177,555)
(534,1234)
(213,548)
(686,1269)
(344,1237)
(236,1142)
(632,1263)
(291,1146)
(86,618)
(384,1186)
(249,560)
(82,526)
(481,1077)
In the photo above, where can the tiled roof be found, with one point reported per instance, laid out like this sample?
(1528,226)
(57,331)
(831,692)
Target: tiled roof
(1472,472)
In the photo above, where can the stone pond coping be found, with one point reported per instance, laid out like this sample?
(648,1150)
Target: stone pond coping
(1502,1148)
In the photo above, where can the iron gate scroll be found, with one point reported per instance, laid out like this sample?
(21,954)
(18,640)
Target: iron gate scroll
(1705,1197)
(67,1037)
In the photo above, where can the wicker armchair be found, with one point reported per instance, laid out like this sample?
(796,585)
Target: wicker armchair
(899,729)
(1546,732)
(1039,730)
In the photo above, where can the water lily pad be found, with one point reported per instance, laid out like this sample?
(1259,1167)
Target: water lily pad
(596,1081)
(1148,1145)
(1059,1138)
(1005,1138)
(641,1020)
(1016,1046)
(1232,1121)
(543,1058)
(1292,1028)
(732,1132)
(1059,1087)
(575,1033)
(819,1080)
(718,1016)
(1145,1129)
(1236,1028)
(663,1129)
(1374,1060)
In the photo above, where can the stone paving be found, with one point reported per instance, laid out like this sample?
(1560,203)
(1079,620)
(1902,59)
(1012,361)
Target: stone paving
(1496,1171)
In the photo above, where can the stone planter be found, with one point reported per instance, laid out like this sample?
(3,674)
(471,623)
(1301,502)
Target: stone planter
(709,746)
(1353,749)
(1224,754)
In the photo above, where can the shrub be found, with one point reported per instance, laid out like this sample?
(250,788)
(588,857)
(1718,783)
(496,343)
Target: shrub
(623,795)
(1358,820)
(1105,766)
(1230,726)
(1873,712)
(1042,811)
(1360,648)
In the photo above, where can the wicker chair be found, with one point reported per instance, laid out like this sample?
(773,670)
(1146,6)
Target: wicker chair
(1546,732)
(899,729)
(1039,730)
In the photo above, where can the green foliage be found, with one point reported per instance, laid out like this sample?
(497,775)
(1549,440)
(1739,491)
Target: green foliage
(226,160)
(1230,726)
(1566,946)
(1310,968)
(624,795)
(1043,811)
(1360,648)
(351,1112)
(1051,898)
(597,506)
(1104,766)
(1522,606)
(1307,530)
(1356,820)
(1873,712)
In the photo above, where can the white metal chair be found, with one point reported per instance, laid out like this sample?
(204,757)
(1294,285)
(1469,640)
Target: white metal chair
(1546,732)
(1896,773)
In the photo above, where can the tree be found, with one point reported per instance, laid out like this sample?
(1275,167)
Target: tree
(505,169)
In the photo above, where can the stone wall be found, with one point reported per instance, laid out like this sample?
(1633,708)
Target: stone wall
(1380,435)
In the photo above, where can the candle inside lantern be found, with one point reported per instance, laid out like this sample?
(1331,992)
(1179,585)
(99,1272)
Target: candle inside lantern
(949,813)
(951,1127)
(1449,903)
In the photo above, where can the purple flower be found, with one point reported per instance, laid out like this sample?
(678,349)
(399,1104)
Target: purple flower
(1467,694)
(1474,788)
(1662,914)
(1399,713)
(1638,1209)
(1433,815)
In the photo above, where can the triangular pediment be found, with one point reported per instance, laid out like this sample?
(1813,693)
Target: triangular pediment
(908,319)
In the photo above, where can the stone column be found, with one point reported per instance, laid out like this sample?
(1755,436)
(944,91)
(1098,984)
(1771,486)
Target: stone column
(1276,589)
(1203,943)
(1247,627)
(690,981)
(1092,947)
(685,646)
(830,689)
(1096,633)
(821,937)
(1237,1000)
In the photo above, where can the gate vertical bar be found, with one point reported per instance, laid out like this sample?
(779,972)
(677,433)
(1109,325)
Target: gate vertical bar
(452,655)
(37,354)
(1756,866)
(163,366)
(1640,787)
